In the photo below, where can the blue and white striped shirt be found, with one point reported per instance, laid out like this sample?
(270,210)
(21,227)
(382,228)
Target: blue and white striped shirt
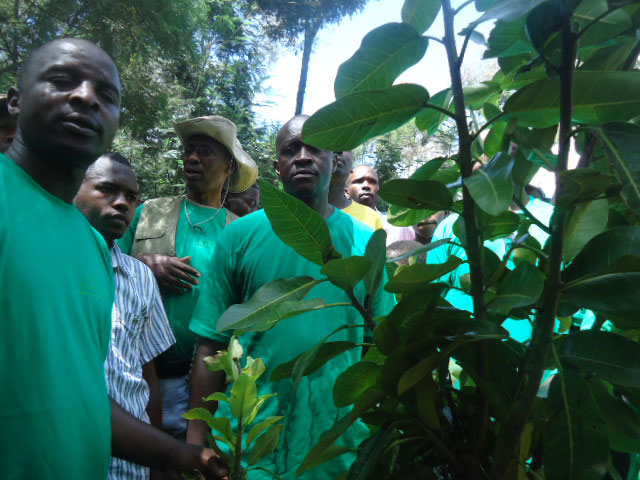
(140,332)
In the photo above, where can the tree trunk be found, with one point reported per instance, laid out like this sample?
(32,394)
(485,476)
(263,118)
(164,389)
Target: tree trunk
(310,32)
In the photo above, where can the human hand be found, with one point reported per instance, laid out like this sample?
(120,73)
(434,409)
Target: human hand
(173,274)
(196,462)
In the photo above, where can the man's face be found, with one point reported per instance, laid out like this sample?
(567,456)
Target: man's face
(427,226)
(108,197)
(244,203)
(305,170)
(69,103)
(206,163)
(8,126)
(362,186)
(344,164)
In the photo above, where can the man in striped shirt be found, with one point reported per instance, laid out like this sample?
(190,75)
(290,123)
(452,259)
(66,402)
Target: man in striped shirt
(140,328)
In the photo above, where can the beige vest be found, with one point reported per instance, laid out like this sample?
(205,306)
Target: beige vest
(156,231)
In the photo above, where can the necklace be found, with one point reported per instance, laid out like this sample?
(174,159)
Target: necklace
(197,226)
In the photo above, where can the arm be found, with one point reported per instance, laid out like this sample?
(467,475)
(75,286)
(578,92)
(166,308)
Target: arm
(172,274)
(202,384)
(138,442)
(154,407)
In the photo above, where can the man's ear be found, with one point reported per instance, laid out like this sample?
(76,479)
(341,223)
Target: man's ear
(334,160)
(13,102)
(276,167)
(346,193)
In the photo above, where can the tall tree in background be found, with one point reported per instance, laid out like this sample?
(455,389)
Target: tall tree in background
(291,19)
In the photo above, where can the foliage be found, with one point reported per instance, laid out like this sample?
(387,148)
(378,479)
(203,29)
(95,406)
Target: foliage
(177,59)
(245,404)
(445,392)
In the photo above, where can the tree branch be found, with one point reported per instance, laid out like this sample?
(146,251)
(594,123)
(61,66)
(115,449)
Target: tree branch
(457,10)
(489,122)
(441,110)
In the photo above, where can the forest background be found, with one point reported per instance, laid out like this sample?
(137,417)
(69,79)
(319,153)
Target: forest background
(181,59)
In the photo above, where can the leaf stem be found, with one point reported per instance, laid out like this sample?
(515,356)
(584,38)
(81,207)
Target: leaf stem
(441,110)
(488,124)
(435,39)
(237,457)
(596,20)
(504,454)
(368,318)
(457,10)
(530,215)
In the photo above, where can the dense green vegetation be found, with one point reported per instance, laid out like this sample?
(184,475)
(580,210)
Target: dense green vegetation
(445,392)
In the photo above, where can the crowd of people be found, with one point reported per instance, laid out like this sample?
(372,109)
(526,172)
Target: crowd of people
(109,307)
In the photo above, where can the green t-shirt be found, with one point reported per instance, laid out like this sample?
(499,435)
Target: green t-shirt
(55,303)
(249,255)
(199,245)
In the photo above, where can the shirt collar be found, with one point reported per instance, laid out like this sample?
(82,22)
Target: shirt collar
(119,262)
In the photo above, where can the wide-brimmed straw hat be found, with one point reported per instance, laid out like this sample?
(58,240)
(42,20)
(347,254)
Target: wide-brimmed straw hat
(225,132)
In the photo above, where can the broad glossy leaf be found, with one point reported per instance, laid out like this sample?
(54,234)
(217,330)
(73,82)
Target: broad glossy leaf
(346,272)
(576,443)
(475,96)
(609,356)
(386,336)
(331,452)
(327,351)
(406,217)
(491,186)
(368,456)
(266,443)
(599,97)
(610,58)
(583,184)
(493,143)
(429,169)
(543,21)
(220,424)
(615,292)
(621,142)
(261,427)
(297,225)
(622,421)
(604,250)
(586,221)
(217,397)
(604,29)
(429,119)
(417,276)
(498,226)
(519,288)
(420,14)
(384,54)
(506,10)
(420,194)
(517,78)
(376,252)
(359,116)
(354,381)
(508,39)
(244,396)
(420,370)
(260,309)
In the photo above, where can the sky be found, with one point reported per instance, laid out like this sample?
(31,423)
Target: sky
(337,43)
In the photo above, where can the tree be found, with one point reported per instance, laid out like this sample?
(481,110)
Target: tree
(447,394)
(306,18)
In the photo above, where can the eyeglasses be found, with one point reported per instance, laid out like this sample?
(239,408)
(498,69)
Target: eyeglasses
(203,151)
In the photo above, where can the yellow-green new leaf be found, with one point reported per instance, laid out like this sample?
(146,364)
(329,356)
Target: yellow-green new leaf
(261,427)
(244,396)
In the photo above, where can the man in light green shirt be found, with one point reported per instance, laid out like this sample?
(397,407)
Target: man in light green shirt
(249,255)
(175,237)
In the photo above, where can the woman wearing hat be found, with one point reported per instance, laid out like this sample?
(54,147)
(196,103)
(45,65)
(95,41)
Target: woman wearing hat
(175,237)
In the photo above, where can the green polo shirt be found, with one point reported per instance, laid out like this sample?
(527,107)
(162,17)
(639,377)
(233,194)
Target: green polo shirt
(55,303)
(249,255)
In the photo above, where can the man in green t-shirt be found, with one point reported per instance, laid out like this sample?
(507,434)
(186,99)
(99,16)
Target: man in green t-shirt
(249,255)
(175,237)
(56,420)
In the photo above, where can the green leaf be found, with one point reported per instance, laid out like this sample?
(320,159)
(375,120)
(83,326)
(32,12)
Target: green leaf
(429,169)
(376,252)
(609,356)
(491,186)
(326,352)
(622,421)
(586,221)
(543,21)
(498,226)
(217,397)
(420,194)
(359,116)
(254,412)
(429,119)
(610,58)
(261,427)
(416,276)
(615,292)
(506,10)
(331,452)
(583,184)
(603,251)
(493,142)
(475,96)
(518,78)
(508,39)
(346,272)
(519,288)
(220,424)
(609,26)
(254,368)
(244,396)
(415,374)
(297,225)
(365,464)
(386,336)
(266,443)
(260,309)
(621,143)
(354,381)
(420,14)
(599,97)
(385,53)
(576,443)
(420,250)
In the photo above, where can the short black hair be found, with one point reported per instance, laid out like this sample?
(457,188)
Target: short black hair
(116,157)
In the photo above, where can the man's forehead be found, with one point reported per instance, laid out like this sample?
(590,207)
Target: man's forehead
(292,130)
(364,171)
(107,170)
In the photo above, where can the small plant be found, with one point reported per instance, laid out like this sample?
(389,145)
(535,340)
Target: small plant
(245,405)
